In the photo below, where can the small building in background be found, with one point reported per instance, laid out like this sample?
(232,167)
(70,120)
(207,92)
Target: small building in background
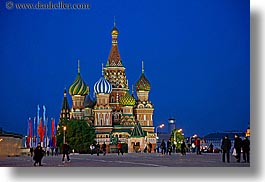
(10,143)
(216,138)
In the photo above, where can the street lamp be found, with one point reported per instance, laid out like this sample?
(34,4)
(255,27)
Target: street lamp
(159,126)
(64,129)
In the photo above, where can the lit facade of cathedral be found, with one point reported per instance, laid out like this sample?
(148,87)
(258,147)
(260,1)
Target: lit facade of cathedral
(115,112)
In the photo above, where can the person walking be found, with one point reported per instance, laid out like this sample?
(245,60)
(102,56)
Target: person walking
(163,147)
(198,146)
(169,147)
(104,148)
(56,151)
(38,154)
(48,151)
(66,151)
(210,148)
(149,147)
(31,151)
(226,146)
(183,148)
(98,149)
(246,149)
(238,146)
(120,149)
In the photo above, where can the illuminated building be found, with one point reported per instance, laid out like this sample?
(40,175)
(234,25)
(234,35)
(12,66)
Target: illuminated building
(115,112)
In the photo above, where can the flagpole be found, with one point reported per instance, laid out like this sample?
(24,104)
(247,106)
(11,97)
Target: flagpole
(38,121)
(34,132)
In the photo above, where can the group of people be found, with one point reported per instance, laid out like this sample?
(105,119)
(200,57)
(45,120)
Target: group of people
(38,153)
(96,148)
(239,145)
(168,148)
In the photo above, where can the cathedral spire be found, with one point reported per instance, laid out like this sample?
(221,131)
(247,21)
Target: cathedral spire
(142,67)
(78,65)
(102,69)
(114,59)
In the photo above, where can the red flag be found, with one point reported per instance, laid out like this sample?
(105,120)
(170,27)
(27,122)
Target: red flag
(41,131)
(53,127)
(28,142)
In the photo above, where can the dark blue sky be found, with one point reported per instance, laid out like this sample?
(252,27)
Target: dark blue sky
(196,55)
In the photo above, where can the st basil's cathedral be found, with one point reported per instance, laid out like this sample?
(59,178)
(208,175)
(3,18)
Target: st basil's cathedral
(115,112)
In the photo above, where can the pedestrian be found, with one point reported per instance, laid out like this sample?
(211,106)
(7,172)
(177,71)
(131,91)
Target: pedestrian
(211,148)
(163,147)
(31,150)
(91,149)
(246,149)
(174,148)
(56,151)
(150,147)
(98,149)
(38,154)
(238,146)
(198,145)
(226,146)
(169,147)
(120,149)
(66,151)
(52,150)
(183,148)
(48,151)
(104,148)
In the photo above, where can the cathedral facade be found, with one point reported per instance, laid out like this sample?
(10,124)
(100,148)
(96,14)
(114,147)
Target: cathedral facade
(114,112)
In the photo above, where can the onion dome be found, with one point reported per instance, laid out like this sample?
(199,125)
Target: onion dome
(114,31)
(127,100)
(78,87)
(143,84)
(102,86)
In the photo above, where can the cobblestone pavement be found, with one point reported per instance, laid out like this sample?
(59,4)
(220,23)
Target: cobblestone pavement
(126,160)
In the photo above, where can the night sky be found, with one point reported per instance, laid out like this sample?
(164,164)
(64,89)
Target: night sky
(196,56)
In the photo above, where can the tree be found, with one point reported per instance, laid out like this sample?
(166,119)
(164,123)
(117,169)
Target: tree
(79,135)
(177,137)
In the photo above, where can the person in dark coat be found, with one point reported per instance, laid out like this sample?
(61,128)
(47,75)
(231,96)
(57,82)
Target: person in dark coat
(66,151)
(169,147)
(183,148)
(163,147)
(31,151)
(38,154)
(238,146)
(98,149)
(104,146)
(226,146)
(211,148)
(246,149)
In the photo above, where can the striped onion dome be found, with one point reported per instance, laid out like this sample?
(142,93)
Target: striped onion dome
(102,86)
(79,87)
(143,84)
(127,100)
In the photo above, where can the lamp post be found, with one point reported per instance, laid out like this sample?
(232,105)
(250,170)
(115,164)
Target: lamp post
(159,126)
(64,129)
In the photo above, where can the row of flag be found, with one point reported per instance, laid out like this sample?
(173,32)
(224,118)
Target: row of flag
(38,130)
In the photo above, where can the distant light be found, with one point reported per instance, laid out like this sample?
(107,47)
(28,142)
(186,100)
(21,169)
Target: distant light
(172,121)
